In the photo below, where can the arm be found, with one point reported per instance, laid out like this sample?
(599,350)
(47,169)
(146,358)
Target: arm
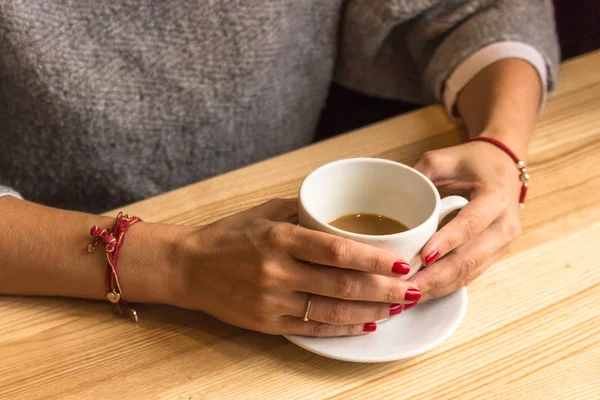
(498,99)
(44,254)
(254,269)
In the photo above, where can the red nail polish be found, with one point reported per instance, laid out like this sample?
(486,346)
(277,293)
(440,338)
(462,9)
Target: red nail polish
(400,267)
(412,294)
(409,306)
(370,327)
(431,257)
(395,309)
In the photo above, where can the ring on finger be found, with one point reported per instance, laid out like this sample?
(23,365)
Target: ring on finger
(308,304)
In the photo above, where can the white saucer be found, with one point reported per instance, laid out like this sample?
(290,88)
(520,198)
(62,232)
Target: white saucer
(410,333)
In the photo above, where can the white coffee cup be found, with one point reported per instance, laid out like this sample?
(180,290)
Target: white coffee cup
(376,186)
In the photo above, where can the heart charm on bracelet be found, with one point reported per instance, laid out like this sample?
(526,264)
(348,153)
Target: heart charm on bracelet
(113,297)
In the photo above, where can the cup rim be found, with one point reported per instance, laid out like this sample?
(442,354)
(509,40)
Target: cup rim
(362,236)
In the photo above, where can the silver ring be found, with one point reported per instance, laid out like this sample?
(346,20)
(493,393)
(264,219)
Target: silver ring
(305,319)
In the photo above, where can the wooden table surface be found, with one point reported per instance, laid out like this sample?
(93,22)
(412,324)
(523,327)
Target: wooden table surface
(532,328)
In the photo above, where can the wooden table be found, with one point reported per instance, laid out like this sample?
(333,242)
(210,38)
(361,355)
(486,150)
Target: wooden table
(531,331)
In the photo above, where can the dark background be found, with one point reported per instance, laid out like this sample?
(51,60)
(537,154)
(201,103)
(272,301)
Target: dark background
(578,23)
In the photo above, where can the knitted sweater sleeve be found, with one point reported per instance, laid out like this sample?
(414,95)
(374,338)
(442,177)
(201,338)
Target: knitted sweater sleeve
(408,50)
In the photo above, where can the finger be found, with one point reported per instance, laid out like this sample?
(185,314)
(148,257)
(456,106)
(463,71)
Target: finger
(340,312)
(296,326)
(440,280)
(350,285)
(467,262)
(325,249)
(279,210)
(484,208)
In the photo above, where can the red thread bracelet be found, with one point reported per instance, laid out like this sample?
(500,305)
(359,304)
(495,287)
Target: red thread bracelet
(113,240)
(523,175)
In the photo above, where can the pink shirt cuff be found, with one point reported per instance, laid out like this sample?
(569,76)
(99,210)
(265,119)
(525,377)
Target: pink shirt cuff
(9,192)
(489,55)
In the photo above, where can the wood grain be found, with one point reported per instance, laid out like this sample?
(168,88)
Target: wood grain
(532,329)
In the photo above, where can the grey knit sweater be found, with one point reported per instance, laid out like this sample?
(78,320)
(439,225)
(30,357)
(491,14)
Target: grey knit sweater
(104,102)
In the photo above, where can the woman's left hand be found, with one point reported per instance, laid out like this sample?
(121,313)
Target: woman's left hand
(464,248)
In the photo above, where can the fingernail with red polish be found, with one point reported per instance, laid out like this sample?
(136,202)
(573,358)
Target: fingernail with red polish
(370,327)
(431,257)
(395,309)
(409,306)
(412,294)
(400,267)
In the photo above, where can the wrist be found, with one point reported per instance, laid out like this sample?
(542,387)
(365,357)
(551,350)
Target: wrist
(515,140)
(150,270)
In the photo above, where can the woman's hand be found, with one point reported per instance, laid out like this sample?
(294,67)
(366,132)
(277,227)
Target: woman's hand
(502,102)
(464,248)
(257,270)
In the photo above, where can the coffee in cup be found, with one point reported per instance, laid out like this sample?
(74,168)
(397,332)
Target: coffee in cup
(368,224)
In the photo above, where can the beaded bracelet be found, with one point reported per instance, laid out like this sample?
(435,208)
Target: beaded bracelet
(113,240)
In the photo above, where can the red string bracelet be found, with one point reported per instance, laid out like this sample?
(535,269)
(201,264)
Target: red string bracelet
(113,240)
(523,176)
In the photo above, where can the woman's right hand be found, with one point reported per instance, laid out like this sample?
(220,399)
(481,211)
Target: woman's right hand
(257,269)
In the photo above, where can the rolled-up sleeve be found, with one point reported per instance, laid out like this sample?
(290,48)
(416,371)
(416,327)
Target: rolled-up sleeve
(503,29)
(426,51)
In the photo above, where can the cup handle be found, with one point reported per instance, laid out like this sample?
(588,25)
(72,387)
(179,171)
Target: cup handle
(451,203)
